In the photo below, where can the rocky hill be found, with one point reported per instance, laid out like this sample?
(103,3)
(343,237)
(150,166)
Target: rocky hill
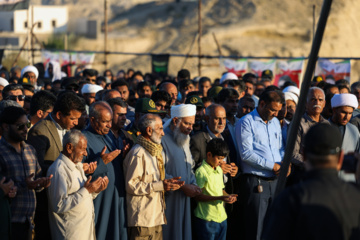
(242,27)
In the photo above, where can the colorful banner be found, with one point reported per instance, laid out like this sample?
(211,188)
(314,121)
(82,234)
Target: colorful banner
(239,67)
(256,67)
(287,70)
(86,59)
(48,56)
(66,57)
(339,70)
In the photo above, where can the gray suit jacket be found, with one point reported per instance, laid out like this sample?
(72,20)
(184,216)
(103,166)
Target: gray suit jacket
(44,137)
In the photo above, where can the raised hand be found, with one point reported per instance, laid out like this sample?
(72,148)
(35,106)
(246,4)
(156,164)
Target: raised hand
(93,186)
(89,168)
(234,169)
(173,184)
(108,157)
(225,167)
(104,184)
(126,149)
(38,183)
(191,190)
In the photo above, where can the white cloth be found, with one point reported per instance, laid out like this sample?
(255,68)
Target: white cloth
(345,99)
(30,68)
(180,111)
(71,208)
(292,89)
(56,71)
(291,96)
(91,88)
(3,82)
(228,76)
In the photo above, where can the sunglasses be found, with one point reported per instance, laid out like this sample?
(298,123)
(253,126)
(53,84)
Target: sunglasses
(14,98)
(22,126)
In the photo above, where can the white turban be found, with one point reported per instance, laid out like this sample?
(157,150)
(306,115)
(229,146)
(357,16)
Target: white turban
(345,99)
(3,82)
(90,88)
(228,76)
(30,68)
(180,111)
(291,96)
(292,89)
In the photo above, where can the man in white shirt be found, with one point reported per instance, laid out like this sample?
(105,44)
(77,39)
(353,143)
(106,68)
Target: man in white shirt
(71,208)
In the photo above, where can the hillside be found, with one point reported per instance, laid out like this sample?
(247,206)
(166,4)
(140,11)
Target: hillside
(242,27)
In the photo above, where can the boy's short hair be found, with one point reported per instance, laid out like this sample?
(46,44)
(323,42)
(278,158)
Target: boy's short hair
(217,147)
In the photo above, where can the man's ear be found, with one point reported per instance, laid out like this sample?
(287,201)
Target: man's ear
(149,131)
(175,120)
(69,148)
(340,161)
(40,113)
(209,155)
(58,115)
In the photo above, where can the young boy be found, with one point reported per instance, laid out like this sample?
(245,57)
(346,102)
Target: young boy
(210,221)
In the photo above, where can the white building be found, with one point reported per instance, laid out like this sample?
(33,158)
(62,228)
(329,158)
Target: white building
(47,20)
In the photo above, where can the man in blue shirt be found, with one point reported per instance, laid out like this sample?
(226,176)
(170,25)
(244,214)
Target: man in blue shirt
(259,140)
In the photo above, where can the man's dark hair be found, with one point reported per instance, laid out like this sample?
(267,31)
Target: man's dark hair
(342,86)
(343,82)
(185,83)
(106,92)
(11,87)
(204,79)
(241,85)
(137,73)
(227,93)
(271,96)
(90,72)
(194,93)
(248,80)
(68,101)
(289,83)
(161,95)
(116,101)
(271,88)
(99,79)
(206,99)
(248,76)
(143,84)
(42,100)
(217,147)
(11,114)
(119,83)
(183,74)
(246,99)
(329,86)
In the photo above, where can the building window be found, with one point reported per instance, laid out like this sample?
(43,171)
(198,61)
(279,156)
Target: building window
(39,25)
(53,23)
(25,24)
(12,24)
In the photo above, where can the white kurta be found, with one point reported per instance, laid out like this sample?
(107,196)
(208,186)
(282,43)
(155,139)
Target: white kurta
(178,162)
(71,208)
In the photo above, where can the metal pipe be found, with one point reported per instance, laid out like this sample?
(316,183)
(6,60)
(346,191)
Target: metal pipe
(306,83)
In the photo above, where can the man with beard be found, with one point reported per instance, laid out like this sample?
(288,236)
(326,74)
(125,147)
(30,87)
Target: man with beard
(18,162)
(261,149)
(291,97)
(110,207)
(282,118)
(343,106)
(88,92)
(179,162)
(200,112)
(145,181)
(312,116)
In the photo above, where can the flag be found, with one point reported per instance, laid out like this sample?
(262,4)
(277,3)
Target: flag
(86,59)
(339,70)
(48,56)
(11,5)
(160,63)
(256,67)
(66,57)
(289,69)
(239,67)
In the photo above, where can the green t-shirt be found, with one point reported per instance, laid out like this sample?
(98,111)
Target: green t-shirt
(212,183)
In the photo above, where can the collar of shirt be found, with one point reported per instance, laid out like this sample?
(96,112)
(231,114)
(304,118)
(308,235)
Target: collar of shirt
(209,169)
(56,124)
(68,162)
(307,117)
(212,135)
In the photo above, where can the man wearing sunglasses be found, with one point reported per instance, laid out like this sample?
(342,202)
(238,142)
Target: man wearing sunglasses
(14,92)
(19,163)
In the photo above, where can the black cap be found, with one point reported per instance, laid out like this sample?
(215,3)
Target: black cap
(184,74)
(267,74)
(323,139)
(90,72)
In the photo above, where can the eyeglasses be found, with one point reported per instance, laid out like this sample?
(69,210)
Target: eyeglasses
(14,98)
(22,126)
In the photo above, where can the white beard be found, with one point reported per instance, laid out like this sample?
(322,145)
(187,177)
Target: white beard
(180,138)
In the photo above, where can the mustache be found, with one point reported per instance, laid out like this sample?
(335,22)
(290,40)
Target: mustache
(316,106)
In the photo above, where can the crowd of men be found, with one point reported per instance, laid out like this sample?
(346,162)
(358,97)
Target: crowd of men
(133,156)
